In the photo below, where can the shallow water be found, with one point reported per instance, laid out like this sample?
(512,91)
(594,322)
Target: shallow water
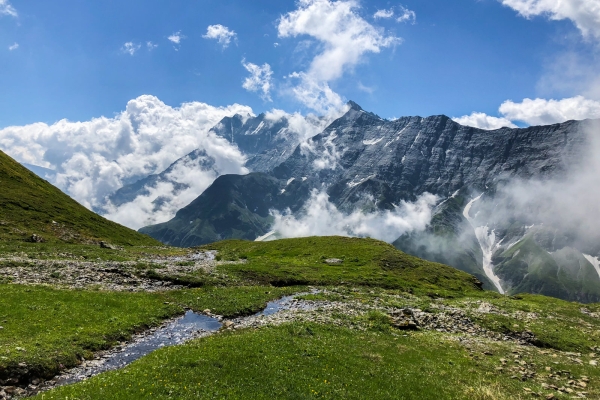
(190,326)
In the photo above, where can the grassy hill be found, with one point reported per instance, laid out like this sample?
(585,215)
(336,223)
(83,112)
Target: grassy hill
(340,261)
(30,205)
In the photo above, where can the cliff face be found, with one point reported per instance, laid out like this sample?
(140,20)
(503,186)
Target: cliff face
(368,163)
(413,155)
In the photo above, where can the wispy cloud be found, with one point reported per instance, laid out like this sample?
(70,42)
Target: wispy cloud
(176,37)
(260,79)
(345,39)
(7,9)
(403,14)
(384,14)
(222,34)
(13,47)
(151,45)
(130,48)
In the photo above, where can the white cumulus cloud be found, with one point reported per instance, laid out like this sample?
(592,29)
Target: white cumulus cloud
(130,48)
(260,79)
(222,34)
(7,9)
(585,14)
(345,39)
(95,158)
(322,218)
(545,112)
(13,47)
(535,112)
(484,121)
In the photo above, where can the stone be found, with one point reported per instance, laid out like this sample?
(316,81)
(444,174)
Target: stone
(35,238)
(334,261)
(109,246)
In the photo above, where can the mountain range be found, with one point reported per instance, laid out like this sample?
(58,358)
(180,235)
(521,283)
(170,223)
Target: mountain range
(367,164)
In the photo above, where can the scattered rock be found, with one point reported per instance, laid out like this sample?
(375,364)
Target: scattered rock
(109,246)
(334,261)
(36,239)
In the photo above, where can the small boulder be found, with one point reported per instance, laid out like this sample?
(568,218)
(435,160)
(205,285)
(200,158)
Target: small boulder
(35,238)
(109,246)
(334,261)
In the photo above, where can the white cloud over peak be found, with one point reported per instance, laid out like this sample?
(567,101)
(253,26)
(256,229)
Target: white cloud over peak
(585,14)
(222,34)
(484,121)
(260,79)
(535,112)
(95,158)
(345,39)
(130,48)
(545,112)
(13,47)
(7,9)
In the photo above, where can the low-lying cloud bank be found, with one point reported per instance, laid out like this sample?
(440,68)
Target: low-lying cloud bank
(322,218)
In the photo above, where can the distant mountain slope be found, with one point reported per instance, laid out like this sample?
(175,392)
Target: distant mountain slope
(361,153)
(248,144)
(234,207)
(30,205)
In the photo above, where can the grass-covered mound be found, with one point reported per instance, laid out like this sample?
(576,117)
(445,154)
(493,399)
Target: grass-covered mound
(340,261)
(30,205)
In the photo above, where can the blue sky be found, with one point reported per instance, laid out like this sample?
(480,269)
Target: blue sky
(454,58)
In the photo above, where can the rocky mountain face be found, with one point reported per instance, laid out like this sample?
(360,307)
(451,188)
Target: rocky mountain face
(367,163)
(264,140)
(197,160)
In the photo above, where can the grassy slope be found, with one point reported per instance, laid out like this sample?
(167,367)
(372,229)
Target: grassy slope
(45,328)
(29,204)
(366,262)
